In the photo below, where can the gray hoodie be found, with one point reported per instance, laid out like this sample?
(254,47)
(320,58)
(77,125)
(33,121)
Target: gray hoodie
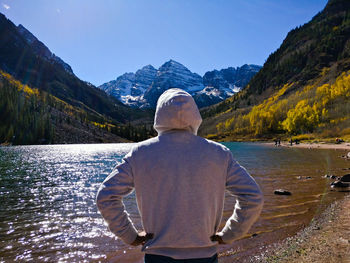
(179,180)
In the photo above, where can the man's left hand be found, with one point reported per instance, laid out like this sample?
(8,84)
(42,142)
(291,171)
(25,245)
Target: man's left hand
(218,238)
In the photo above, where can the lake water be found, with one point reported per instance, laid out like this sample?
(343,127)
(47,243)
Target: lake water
(48,211)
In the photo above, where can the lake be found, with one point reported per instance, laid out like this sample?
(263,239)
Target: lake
(48,211)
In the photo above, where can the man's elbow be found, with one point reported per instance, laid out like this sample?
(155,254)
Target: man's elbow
(101,198)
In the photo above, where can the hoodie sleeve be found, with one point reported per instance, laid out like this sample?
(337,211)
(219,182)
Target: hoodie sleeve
(110,201)
(249,202)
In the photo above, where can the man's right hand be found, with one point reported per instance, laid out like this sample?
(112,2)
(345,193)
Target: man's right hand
(217,237)
(142,238)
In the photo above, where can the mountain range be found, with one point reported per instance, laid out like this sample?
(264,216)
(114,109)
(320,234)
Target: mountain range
(142,89)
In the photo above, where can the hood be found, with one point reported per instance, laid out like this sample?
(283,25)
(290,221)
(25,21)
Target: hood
(176,110)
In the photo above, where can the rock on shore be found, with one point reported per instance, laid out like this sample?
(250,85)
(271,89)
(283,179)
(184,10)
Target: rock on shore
(282,192)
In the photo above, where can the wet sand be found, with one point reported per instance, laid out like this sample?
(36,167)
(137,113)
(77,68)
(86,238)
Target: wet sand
(325,240)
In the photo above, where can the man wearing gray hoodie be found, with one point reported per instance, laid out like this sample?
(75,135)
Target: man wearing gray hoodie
(179,181)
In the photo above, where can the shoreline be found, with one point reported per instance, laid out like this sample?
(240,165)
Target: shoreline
(325,240)
(341,146)
(306,145)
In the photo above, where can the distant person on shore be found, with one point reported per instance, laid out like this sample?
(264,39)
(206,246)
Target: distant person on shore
(278,142)
(179,180)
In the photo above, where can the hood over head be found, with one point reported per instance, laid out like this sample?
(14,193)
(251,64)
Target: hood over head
(176,110)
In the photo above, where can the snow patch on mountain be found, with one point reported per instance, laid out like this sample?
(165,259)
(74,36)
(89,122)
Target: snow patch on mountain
(129,88)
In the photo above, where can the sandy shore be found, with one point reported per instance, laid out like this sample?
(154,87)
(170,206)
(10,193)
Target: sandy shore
(325,240)
(341,146)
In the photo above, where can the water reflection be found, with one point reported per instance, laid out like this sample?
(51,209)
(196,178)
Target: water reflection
(48,211)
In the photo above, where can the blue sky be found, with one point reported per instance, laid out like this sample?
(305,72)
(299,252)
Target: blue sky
(102,39)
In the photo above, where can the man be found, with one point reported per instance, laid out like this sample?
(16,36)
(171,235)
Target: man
(179,180)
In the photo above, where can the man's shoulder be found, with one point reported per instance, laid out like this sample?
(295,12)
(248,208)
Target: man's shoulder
(215,145)
(200,142)
(145,144)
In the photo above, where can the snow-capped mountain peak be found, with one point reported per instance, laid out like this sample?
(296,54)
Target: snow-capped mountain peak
(143,88)
(172,74)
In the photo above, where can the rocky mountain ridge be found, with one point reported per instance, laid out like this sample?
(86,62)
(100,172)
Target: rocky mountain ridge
(41,50)
(142,89)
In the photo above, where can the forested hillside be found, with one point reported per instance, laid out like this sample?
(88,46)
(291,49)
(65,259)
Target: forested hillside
(42,101)
(32,116)
(303,87)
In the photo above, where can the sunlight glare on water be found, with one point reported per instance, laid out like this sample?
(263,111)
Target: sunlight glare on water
(47,207)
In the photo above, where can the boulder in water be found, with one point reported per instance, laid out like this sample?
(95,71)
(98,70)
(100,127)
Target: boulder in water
(345,178)
(339,184)
(282,192)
